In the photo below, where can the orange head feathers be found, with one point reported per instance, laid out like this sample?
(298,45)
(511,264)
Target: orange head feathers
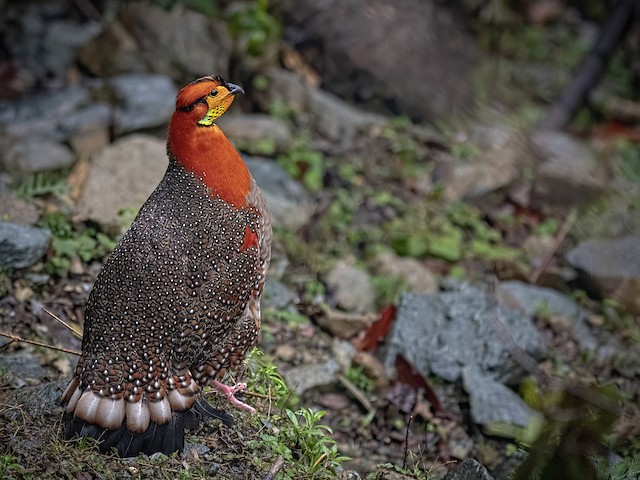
(200,146)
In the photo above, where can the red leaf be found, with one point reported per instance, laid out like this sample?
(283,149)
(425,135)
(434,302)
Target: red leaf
(377,331)
(407,374)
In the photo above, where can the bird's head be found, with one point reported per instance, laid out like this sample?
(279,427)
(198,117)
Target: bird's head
(206,98)
(196,142)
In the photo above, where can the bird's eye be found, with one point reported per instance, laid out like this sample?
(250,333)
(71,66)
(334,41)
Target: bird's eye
(214,93)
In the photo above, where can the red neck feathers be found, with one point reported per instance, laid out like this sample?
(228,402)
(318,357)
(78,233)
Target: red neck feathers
(204,149)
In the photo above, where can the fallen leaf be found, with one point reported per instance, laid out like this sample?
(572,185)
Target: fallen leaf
(377,331)
(408,375)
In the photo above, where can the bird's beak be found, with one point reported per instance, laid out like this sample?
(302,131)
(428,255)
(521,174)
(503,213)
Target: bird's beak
(233,88)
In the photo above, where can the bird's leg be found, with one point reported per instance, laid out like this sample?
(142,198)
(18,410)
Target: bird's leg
(230,392)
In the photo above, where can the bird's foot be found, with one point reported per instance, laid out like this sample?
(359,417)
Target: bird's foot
(230,392)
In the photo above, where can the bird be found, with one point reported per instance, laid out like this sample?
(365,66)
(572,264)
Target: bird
(176,305)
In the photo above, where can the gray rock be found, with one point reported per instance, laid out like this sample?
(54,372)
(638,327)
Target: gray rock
(39,116)
(277,296)
(180,43)
(351,288)
(36,155)
(418,277)
(569,173)
(22,246)
(533,299)
(502,158)
(493,402)
(87,129)
(610,268)
(289,202)
(407,56)
(15,210)
(21,368)
(468,469)
(317,110)
(41,39)
(306,377)
(62,39)
(38,401)
(257,133)
(443,333)
(92,116)
(147,100)
(122,176)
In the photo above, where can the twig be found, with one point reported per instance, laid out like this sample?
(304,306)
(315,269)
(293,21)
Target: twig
(614,28)
(249,393)
(271,474)
(560,236)
(16,338)
(356,392)
(73,330)
(406,444)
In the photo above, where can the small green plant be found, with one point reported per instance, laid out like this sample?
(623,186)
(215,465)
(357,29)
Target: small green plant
(304,163)
(254,25)
(9,467)
(87,244)
(360,379)
(289,317)
(626,469)
(388,288)
(406,151)
(263,377)
(317,451)
(43,183)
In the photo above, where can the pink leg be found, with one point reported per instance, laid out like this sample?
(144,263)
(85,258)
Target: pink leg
(229,392)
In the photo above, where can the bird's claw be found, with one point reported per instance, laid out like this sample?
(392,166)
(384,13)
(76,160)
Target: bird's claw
(230,392)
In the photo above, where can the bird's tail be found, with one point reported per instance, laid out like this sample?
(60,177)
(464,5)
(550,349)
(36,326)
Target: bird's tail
(162,434)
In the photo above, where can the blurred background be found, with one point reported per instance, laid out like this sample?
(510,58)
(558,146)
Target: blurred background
(456,197)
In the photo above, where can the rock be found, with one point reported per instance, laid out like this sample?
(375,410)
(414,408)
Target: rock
(21,246)
(286,353)
(344,324)
(15,210)
(122,176)
(35,402)
(87,129)
(502,157)
(372,368)
(442,333)
(418,277)
(90,140)
(36,154)
(306,377)
(39,116)
(343,353)
(91,116)
(610,268)
(317,110)
(62,39)
(533,300)
(351,288)
(21,368)
(469,469)
(288,201)
(146,101)
(408,56)
(257,134)
(277,295)
(569,173)
(179,42)
(492,402)
(40,37)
